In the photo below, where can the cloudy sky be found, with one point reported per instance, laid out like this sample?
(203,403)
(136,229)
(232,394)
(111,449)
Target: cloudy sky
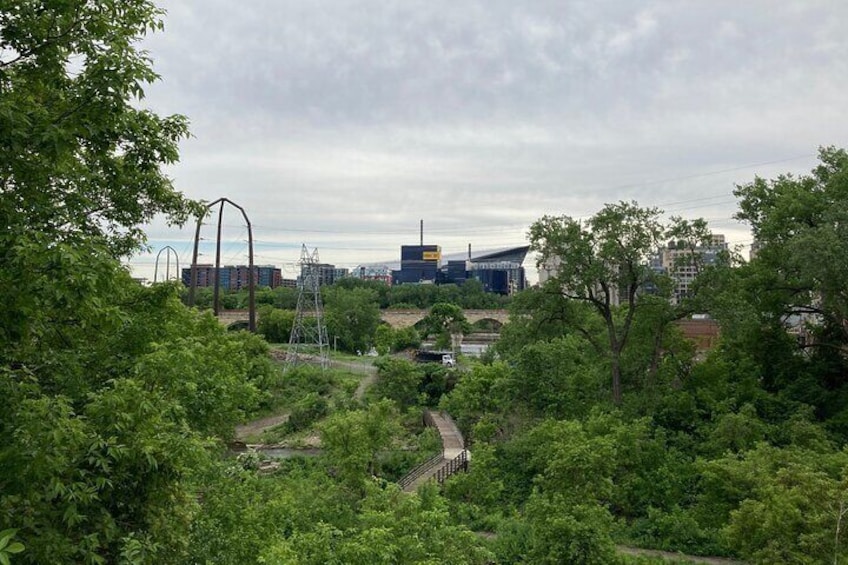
(342,123)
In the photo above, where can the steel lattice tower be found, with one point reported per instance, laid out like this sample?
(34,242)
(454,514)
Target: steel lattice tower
(308,329)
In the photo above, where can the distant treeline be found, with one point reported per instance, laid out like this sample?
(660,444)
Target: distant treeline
(469,295)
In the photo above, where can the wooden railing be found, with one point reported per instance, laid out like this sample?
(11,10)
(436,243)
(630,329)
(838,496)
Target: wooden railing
(443,469)
(421,470)
(458,463)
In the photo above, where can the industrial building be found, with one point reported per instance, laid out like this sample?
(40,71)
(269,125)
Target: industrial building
(500,272)
(418,264)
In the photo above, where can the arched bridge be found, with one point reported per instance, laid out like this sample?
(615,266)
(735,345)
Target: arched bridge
(394,318)
(235,319)
(406,318)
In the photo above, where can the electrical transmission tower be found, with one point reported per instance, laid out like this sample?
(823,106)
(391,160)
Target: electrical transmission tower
(308,329)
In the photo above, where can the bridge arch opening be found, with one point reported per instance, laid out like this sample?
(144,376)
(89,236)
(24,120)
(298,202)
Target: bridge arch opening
(238,326)
(487,325)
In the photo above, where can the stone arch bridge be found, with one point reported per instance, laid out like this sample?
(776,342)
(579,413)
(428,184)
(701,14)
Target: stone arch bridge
(405,318)
(395,318)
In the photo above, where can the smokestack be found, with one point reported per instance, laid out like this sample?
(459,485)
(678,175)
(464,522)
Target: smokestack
(469,252)
(422,233)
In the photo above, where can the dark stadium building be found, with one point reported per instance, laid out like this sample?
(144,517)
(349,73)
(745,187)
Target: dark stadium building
(418,264)
(500,272)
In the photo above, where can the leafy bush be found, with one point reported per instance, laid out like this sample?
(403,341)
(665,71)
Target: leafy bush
(306,411)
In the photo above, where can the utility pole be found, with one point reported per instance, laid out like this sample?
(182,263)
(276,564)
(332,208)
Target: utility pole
(308,328)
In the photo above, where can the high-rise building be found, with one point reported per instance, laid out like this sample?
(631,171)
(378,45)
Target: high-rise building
(234,277)
(683,263)
(327,274)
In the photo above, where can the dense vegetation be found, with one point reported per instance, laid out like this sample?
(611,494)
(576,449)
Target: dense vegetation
(469,295)
(596,424)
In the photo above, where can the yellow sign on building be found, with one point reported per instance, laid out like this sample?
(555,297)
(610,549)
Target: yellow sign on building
(432,255)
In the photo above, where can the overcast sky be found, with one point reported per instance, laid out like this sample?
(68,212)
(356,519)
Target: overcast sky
(340,124)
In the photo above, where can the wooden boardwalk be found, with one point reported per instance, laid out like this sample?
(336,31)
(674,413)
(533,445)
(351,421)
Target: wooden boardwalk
(454,456)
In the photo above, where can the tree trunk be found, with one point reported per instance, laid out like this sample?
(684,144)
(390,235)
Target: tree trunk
(616,378)
(616,345)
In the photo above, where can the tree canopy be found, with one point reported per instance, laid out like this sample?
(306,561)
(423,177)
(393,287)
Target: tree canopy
(79,157)
(605,262)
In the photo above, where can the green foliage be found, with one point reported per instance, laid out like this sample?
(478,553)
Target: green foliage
(354,439)
(9,547)
(541,314)
(438,380)
(388,339)
(303,379)
(399,380)
(244,512)
(603,262)
(736,431)
(776,505)
(110,389)
(383,339)
(306,411)
(480,391)
(406,338)
(211,374)
(797,218)
(80,158)
(274,324)
(475,496)
(675,529)
(559,379)
(352,317)
(444,321)
(392,528)
(396,463)
(564,532)
(470,295)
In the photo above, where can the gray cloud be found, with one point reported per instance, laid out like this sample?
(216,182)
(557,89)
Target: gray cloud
(347,116)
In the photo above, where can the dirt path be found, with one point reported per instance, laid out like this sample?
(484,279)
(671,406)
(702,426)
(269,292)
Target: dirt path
(358,367)
(256,427)
(676,557)
(366,382)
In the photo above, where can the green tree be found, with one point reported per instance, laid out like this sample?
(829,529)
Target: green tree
(558,379)
(445,321)
(79,156)
(354,439)
(392,528)
(796,279)
(543,313)
(98,455)
(399,380)
(795,219)
(562,531)
(604,262)
(384,337)
(274,324)
(352,317)
(483,390)
(110,392)
(777,505)
(406,338)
